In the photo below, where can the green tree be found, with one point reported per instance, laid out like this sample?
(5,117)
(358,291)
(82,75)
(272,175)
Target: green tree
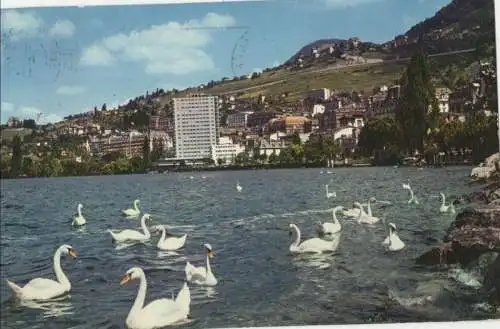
(220,162)
(146,156)
(158,150)
(378,134)
(417,108)
(17,157)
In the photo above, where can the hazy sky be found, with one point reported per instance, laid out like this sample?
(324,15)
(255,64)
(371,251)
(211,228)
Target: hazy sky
(60,61)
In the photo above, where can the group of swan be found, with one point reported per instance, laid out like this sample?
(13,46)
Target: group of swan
(444,207)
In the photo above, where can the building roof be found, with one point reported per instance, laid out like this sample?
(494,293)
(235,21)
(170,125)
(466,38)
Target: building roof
(295,120)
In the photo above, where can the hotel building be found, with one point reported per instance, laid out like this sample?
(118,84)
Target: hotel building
(196,124)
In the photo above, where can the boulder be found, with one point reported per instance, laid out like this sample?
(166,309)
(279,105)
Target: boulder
(488,168)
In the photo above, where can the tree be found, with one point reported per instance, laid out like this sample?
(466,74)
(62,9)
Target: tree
(378,134)
(220,162)
(29,123)
(104,107)
(17,157)
(417,108)
(146,156)
(157,152)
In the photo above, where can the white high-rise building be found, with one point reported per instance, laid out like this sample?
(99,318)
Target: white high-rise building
(196,121)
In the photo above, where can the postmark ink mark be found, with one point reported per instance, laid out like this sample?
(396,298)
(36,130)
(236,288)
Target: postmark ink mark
(239,52)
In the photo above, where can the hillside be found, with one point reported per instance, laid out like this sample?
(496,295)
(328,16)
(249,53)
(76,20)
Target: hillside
(462,24)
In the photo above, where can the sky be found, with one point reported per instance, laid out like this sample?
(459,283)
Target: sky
(61,61)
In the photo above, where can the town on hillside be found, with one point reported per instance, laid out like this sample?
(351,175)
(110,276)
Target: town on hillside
(333,103)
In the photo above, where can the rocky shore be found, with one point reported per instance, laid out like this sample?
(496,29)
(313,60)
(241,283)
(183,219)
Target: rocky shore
(473,239)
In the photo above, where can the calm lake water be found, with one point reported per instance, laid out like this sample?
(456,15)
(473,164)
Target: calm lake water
(260,283)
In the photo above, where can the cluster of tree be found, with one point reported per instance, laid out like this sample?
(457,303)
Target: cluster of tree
(50,163)
(418,127)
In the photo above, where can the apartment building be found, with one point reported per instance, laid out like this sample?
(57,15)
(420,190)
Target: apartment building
(226,150)
(238,120)
(196,125)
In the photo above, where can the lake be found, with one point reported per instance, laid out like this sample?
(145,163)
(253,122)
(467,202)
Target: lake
(260,283)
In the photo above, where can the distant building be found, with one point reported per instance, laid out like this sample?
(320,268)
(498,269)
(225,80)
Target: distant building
(225,150)
(319,94)
(443,99)
(161,122)
(238,120)
(13,122)
(196,125)
(291,124)
(130,144)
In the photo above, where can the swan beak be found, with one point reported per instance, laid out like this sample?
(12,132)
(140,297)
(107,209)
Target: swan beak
(124,278)
(72,253)
(210,254)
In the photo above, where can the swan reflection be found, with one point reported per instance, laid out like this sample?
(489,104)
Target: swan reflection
(53,308)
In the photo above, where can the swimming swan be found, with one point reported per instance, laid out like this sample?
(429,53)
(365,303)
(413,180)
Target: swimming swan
(413,198)
(363,217)
(331,228)
(127,235)
(392,241)
(159,313)
(79,220)
(45,289)
(132,212)
(330,194)
(171,243)
(238,187)
(313,245)
(202,275)
(446,208)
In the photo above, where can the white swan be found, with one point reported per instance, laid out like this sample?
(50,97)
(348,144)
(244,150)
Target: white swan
(171,243)
(331,228)
(45,289)
(79,220)
(159,313)
(202,275)
(330,194)
(238,187)
(132,212)
(446,208)
(128,235)
(313,245)
(363,217)
(413,198)
(392,241)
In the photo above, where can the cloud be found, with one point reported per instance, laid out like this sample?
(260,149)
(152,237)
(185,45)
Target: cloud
(18,25)
(96,55)
(8,110)
(63,29)
(342,4)
(171,48)
(70,90)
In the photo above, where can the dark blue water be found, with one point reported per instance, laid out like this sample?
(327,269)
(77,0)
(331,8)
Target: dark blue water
(260,283)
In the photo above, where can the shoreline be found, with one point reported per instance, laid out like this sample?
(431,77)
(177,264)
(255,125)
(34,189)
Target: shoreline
(155,170)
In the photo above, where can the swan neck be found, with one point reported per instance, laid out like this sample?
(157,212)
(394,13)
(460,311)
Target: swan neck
(136,207)
(61,277)
(335,220)
(297,239)
(141,296)
(145,228)
(79,211)
(163,234)
(369,207)
(209,269)
(443,199)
